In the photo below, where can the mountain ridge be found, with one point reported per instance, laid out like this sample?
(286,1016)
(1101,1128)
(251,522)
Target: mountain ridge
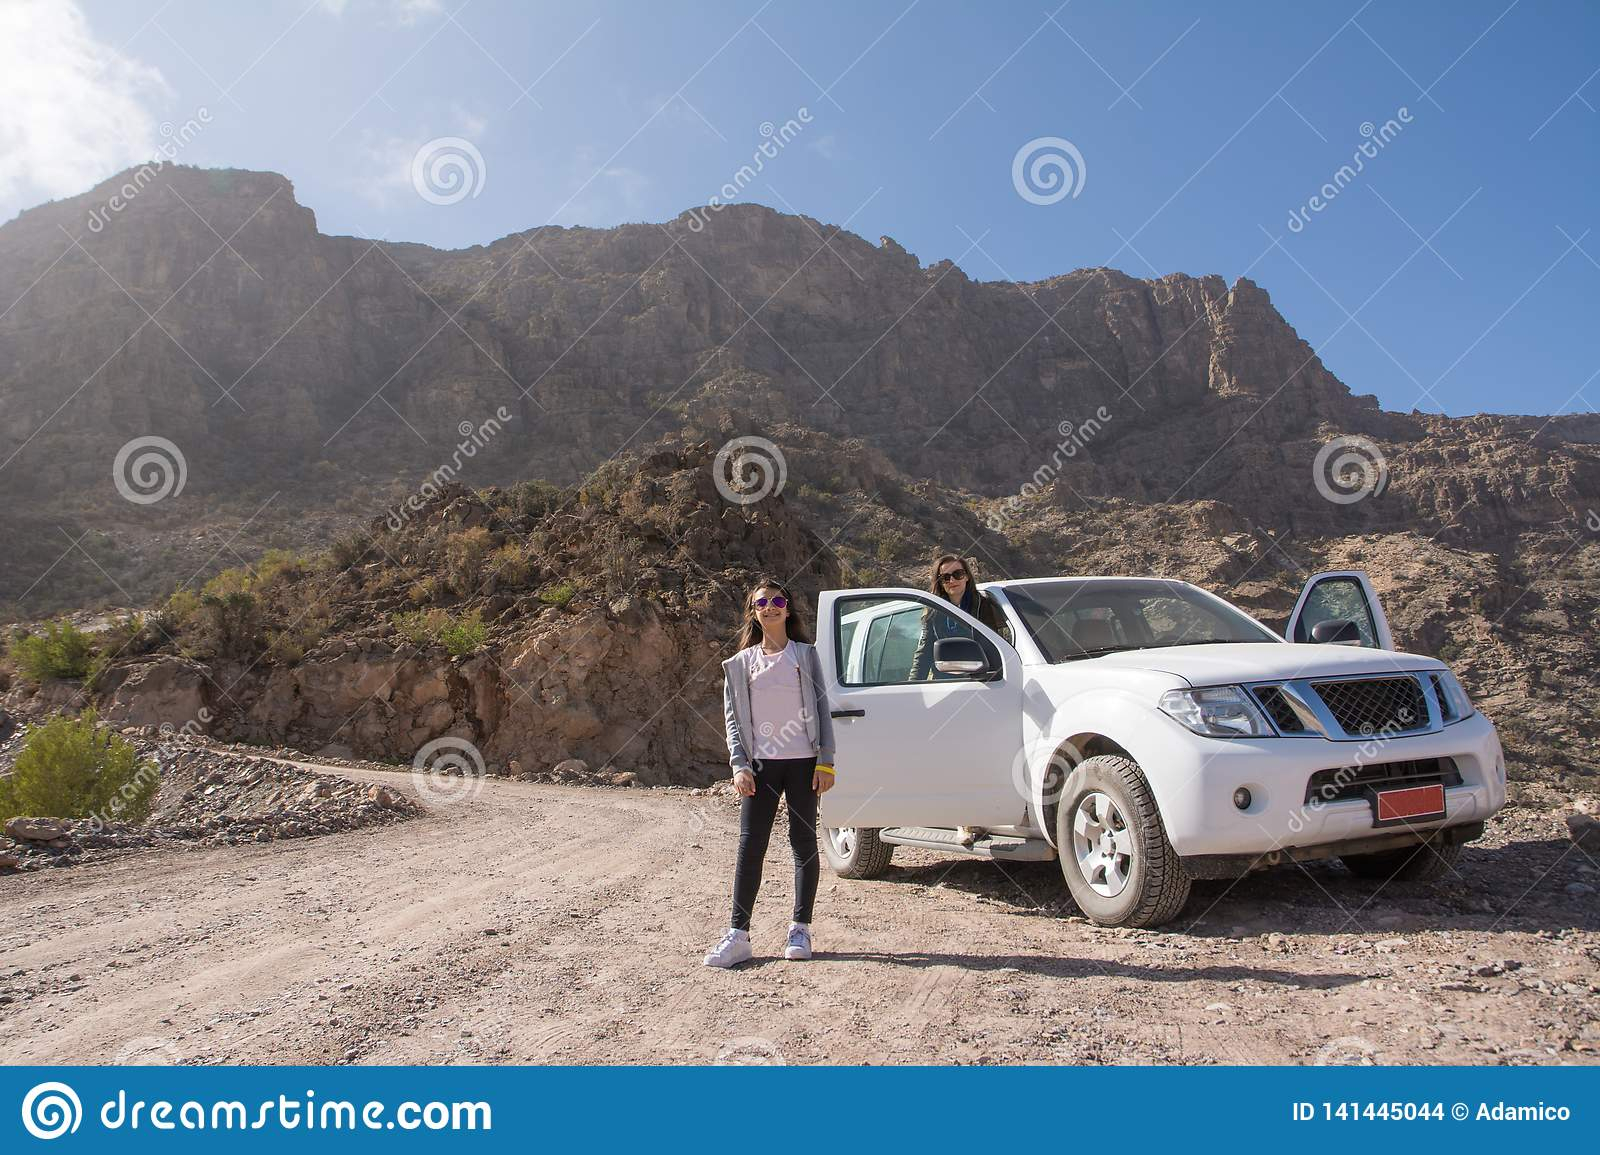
(1090,419)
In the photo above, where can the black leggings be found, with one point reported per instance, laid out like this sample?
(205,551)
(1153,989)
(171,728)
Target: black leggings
(777,777)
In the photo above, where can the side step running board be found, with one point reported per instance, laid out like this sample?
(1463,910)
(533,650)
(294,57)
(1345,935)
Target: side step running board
(997,846)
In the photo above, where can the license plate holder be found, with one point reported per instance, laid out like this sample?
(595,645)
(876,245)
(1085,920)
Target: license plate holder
(1407,805)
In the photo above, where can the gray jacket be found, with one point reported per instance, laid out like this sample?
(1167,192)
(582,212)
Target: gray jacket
(813,707)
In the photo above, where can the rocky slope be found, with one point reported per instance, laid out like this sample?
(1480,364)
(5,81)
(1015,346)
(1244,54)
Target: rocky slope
(1093,421)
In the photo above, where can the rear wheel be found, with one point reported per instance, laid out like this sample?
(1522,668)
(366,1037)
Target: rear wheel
(855,851)
(1114,852)
(1426,862)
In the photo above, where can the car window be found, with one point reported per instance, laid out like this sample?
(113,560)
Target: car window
(1169,620)
(889,630)
(1078,618)
(847,635)
(1334,598)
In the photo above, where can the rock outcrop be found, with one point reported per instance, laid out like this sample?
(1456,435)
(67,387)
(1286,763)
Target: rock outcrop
(1090,421)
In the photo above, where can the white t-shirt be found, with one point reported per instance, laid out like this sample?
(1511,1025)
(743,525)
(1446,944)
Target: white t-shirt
(776,704)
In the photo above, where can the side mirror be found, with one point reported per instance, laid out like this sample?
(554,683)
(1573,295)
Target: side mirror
(1336,632)
(962,656)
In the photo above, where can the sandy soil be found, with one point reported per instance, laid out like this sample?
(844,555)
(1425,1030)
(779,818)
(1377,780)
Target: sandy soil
(534,923)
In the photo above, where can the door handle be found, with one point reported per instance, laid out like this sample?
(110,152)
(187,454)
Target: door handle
(847,713)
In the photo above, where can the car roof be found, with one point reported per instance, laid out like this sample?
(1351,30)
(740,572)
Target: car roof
(1006,582)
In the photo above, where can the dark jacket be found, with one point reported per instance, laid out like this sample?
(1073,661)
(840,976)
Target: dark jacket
(938,624)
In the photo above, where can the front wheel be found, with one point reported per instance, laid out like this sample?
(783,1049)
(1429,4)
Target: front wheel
(1114,852)
(855,851)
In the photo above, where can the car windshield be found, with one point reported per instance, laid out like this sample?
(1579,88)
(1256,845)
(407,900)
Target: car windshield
(1073,619)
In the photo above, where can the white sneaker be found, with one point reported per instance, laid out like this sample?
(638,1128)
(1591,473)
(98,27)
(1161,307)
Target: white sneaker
(799,941)
(732,950)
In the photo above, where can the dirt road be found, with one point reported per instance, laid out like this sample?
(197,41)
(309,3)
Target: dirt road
(551,924)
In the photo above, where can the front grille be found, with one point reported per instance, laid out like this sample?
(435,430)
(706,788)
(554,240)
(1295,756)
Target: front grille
(1276,703)
(1375,705)
(1445,712)
(1347,783)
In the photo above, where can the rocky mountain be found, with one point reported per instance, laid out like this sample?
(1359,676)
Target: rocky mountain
(1093,421)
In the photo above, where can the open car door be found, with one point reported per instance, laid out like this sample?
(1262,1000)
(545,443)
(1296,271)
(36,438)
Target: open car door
(1341,595)
(933,751)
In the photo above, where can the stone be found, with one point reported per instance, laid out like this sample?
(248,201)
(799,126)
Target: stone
(166,690)
(35,829)
(1584,831)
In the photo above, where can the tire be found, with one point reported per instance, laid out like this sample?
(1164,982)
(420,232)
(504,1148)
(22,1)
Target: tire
(1427,861)
(1127,874)
(856,852)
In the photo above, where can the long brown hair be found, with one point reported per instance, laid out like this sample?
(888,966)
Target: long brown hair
(936,588)
(749,632)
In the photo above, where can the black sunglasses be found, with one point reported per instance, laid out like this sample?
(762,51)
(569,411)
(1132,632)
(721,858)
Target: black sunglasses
(950,575)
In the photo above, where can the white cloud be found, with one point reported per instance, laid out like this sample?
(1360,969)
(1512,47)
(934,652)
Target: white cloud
(385,161)
(401,11)
(603,196)
(826,146)
(76,109)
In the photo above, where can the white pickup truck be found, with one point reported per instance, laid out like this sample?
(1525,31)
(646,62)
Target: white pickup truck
(1147,733)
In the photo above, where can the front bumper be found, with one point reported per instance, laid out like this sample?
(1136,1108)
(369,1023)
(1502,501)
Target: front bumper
(1195,783)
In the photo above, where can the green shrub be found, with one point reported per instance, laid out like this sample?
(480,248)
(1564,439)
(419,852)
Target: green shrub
(512,564)
(177,611)
(464,635)
(232,621)
(463,558)
(536,498)
(349,548)
(460,634)
(558,595)
(77,768)
(59,650)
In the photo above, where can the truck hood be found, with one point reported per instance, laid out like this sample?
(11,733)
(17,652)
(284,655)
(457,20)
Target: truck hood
(1216,665)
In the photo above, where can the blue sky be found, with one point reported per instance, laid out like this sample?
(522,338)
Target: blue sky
(1201,130)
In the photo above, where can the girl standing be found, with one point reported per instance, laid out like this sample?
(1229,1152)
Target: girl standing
(780,744)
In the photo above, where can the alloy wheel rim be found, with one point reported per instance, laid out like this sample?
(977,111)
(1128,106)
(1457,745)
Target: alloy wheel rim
(1103,844)
(843,839)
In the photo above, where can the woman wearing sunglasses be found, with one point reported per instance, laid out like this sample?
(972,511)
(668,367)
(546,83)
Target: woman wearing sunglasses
(951,580)
(780,745)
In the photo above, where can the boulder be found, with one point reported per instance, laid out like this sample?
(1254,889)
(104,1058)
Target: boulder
(174,691)
(36,829)
(1584,831)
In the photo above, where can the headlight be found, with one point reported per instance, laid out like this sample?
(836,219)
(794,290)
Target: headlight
(1217,712)
(1453,700)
